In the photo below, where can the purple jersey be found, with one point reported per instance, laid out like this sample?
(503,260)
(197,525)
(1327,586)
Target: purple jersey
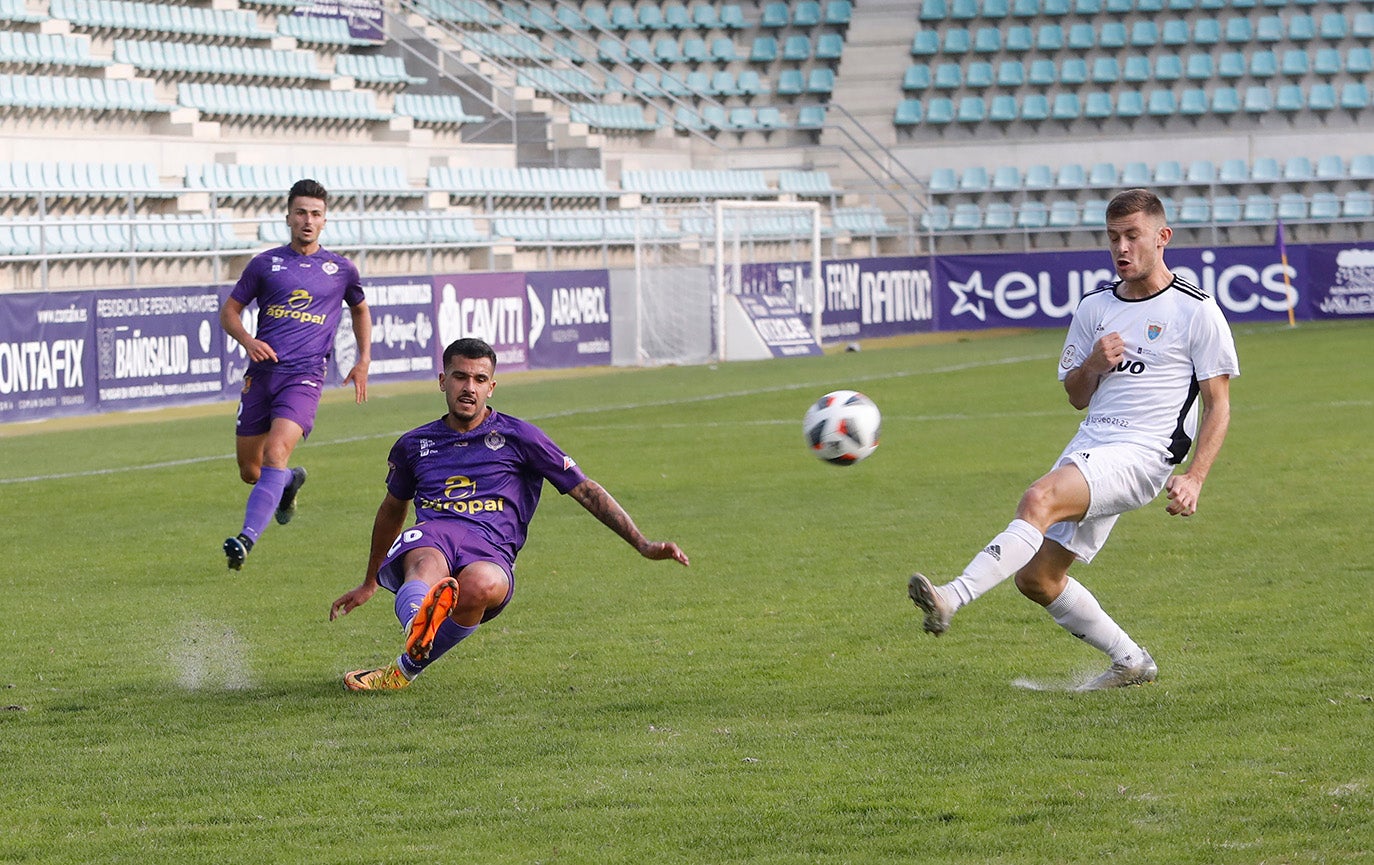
(300,301)
(489,478)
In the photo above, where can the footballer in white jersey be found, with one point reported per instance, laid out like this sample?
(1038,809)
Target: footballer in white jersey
(1173,339)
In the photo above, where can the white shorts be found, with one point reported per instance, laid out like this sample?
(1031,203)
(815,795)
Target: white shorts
(1120,478)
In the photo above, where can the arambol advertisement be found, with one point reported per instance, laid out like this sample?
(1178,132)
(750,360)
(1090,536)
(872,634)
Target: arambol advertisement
(570,318)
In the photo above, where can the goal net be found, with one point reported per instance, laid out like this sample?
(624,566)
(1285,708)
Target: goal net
(691,260)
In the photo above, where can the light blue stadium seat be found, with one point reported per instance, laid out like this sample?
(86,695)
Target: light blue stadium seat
(1355,96)
(1175,33)
(966,217)
(996,10)
(1326,206)
(1231,65)
(1168,173)
(1302,28)
(1294,63)
(764,50)
(732,17)
(987,40)
(1073,70)
(829,46)
(1035,107)
(1259,209)
(1025,8)
(1269,28)
(1066,106)
(1361,167)
(1327,62)
(999,216)
(1019,39)
(971,109)
(1201,171)
(622,17)
(1233,170)
(908,112)
(943,180)
(750,83)
(1130,104)
(1168,67)
(706,16)
(1112,34)
(1289,99)
(1033,215)
(963,10)
(1161,103)
(917,77)
(1050,37)
(1087,7)
(1321,97)
(957,41)
(935,218)
(1333,27)
(1330,167)
(1065,214)
(926,43)
(979,75)
(1102,174)
(1358,204)
(948,76)
(1071,176)
(1136,69)
(1144,34)
(1206,31)
(723,83)
(838,12)
(694,50)
(1258,100)
(1263,64)
(1006,177)
(791,82)
(1106,70)
(1198,67)
(940,111)
(1292,206)
(1003,108)
(1039,177)
(1226,209)
(1239,30)
(1193,210)
(723,50)
(821,80)
(1011,73)
(1098,106)
(1265,169)
(666,50)
(796,48)
(1135,174)
(1081,37)
(1043,72)
(1362,28)
(776,14)
(1299,169)
(806,13)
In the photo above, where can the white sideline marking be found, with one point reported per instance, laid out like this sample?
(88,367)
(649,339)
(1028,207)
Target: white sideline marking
(810,385)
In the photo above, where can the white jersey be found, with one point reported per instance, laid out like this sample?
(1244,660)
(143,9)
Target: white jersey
(1173,340)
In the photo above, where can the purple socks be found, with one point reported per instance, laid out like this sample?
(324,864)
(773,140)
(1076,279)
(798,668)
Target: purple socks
(263,500)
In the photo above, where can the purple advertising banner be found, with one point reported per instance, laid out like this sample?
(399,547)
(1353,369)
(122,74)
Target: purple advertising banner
(863,297)
(570,318)
(47,355)
(364,17)
(1339,280)
(490,306)
(779,325)
(403,337)
(157,346)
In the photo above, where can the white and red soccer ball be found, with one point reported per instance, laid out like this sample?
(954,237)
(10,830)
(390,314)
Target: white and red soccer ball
(842,427)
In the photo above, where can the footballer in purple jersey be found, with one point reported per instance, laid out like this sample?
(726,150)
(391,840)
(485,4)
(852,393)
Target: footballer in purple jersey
(301,290)
(474,477)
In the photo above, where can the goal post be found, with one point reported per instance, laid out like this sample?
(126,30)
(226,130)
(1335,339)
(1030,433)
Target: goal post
(766,232)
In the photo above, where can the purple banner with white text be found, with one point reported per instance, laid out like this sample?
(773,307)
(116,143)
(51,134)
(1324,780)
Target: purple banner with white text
(403,331)
(156,346)
(570,318)
(490,306)
(47,345)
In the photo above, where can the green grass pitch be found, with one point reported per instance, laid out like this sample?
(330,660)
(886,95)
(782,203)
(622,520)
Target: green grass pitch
(776,702)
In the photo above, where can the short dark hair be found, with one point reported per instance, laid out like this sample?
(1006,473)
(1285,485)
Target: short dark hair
(471,348)
(1135,201)
(306,189)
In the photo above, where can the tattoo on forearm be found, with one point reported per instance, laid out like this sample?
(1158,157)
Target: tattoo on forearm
(604,507)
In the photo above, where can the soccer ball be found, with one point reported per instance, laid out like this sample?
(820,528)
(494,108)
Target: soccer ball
(842,427)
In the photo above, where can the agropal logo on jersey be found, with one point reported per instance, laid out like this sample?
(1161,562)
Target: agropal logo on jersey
(297,306)
(460,497)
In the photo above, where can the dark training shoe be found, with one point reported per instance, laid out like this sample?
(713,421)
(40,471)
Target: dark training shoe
(236,551)
(286,508)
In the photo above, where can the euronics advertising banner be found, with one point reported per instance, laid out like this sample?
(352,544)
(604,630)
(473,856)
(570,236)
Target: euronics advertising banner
(46,355)
(158,346)
(570,318)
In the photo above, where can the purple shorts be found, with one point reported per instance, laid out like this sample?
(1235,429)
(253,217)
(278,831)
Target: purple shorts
(460,546)
(269,394)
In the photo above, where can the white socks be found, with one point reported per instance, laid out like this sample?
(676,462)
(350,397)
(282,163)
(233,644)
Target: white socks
(1079,613)
(1004,556)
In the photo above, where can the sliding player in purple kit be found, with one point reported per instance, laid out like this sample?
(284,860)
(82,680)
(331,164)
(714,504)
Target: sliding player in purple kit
(301,290)
(475,476)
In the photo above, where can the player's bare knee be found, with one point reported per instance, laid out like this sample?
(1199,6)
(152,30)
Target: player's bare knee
(1036,585)
(250,474)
